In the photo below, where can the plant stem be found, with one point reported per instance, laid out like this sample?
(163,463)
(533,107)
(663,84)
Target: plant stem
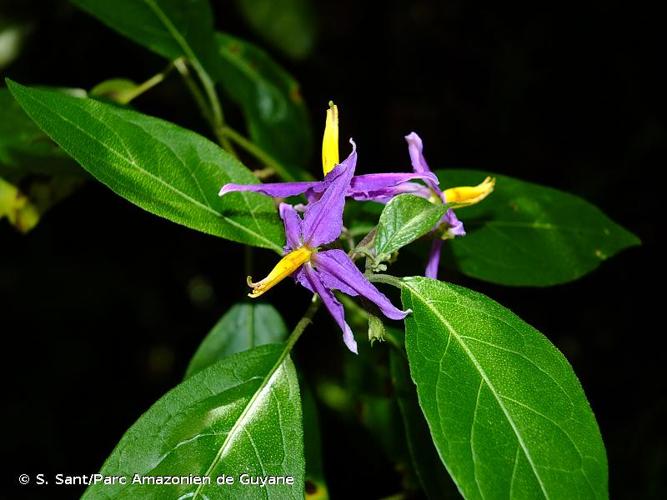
(386,278)
(150,83)
(213,113)
(303,323)
(257,152)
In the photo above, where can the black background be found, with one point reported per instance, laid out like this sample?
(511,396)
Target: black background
(97,316)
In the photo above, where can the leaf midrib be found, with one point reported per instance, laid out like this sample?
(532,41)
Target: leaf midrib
(238,424)
(485,378)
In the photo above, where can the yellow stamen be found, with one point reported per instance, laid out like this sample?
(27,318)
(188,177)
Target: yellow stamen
(330,141)
(286,266)
(469,195)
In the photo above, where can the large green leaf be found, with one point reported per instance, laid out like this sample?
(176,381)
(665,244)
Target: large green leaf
(243,327)
(506,412)
(24,148)
(288,25)
(432,475)
(170,28)
(527,234)
(270,99)
(240,415)
(164,169)
(405,218)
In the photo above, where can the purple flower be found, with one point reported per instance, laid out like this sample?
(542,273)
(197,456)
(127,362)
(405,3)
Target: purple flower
(449,226)
(319,270)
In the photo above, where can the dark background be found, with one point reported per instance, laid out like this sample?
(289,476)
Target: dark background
(102,305)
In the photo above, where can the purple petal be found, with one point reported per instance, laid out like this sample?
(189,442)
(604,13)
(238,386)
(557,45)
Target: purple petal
(323,219)
(454,225)
(375,182)
(315,285)
(416,148)
(386,194)
(292,223)
(434,259)
(340,268)
(273,189)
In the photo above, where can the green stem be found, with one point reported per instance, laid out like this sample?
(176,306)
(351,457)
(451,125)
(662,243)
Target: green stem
(257,152)
(303,323)
(386,278)
(211,109)
(149,84)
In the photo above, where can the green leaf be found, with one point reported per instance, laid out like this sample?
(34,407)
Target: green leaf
(405,218)
(432,475)
(288,25)
(170,28)
(505,409)
(164,169)
(270,99)
(530,235)
(24,148)
(240,415)
(243,327)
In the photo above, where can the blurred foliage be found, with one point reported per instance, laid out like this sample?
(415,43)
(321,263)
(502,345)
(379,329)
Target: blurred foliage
(288,25)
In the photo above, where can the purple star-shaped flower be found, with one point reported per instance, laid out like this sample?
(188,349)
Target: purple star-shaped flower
(319,270)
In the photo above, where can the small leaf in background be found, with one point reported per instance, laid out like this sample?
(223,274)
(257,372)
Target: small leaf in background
(270,99)
(164,169)
(240,415)
(118,90)
(505,409)
(316,486)
(17,207)
(12,38)
(167,27)
(525,234)
(404,219)
(243,327)
(433,476)
(288,25)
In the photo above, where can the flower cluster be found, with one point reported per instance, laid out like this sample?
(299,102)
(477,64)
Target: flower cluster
(323,270)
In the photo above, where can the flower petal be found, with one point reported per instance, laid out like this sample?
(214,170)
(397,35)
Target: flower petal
(385,194)
(314,283)
(416,148)
(434,259)
(323,219)
(340,268)
(292,223)
(375,182)
(454,225)
(273,189)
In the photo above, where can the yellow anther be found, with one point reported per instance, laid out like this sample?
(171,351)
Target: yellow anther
(285,266)
(330,141)
(469,195)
